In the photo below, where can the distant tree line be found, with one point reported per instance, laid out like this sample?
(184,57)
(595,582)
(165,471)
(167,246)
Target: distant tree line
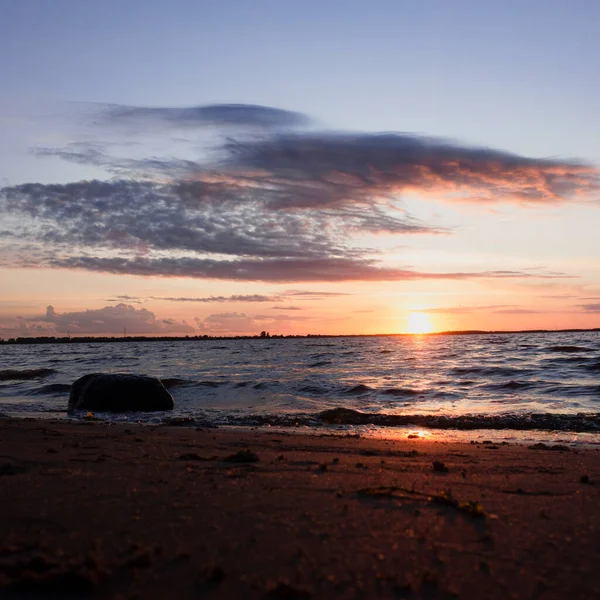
(264,335)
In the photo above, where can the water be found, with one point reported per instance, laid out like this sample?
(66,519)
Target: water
(528,381)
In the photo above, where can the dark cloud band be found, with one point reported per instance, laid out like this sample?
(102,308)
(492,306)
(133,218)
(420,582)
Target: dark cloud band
(219,115)
(337,168)
(275,270)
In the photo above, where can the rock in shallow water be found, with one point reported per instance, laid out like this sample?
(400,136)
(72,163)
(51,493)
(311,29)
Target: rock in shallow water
(119,393)
(343,416)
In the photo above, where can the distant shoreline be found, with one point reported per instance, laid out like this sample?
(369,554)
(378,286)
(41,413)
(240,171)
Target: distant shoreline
(208,338)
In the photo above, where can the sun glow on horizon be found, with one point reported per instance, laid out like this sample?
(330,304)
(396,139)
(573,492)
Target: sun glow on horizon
(419,322)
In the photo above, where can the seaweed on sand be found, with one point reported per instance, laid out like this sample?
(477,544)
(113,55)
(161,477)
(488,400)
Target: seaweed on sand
(446,498)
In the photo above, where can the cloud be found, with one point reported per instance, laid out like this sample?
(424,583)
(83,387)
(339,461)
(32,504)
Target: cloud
(519,311)
(112,320)
(281,318)
(145,216)
(273,270)
(242,323)
(333,169)
(590,308)
(96,154)
(500,309)
(214,115)
(126,298)
(274,205)
(461,310)
(286,308)
(20,328)
(348,172)
(309,295)
(559,296)
(142,218)
(230,322)
(210,299)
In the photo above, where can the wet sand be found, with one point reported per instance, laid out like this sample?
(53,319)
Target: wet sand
(104,511)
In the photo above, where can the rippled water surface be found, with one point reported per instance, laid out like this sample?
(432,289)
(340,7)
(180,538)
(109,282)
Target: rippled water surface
(487,377)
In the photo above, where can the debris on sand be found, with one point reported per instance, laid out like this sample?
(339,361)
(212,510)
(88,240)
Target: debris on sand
(555,447)
(439,466)
(283,589)
(192,456)
(242,456)
(471,508)
(40,573)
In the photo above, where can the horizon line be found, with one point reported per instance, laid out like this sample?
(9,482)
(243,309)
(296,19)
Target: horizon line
(205,337)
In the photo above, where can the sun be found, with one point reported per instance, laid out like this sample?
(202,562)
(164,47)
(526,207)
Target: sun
(419,322)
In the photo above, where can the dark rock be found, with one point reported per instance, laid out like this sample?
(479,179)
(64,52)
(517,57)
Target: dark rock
(339,416)
(119,393)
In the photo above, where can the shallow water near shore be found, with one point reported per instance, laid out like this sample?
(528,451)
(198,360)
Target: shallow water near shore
(528,382)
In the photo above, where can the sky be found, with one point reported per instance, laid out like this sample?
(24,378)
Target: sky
(225,168)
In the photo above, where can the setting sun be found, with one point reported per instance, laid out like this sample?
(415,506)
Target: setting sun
(419,322)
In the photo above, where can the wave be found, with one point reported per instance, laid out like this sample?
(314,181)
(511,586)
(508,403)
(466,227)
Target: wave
(313,389)
(358,389)
(573,390)
(171,382)
(568,360)
(541,421)
(569,349)
(403,392)
(511,385)
(441,376)
(52,389)
(490,371)
(580,423)
(26,374)
(262,385)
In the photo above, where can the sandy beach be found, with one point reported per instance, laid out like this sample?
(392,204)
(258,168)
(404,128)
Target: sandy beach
(104,511)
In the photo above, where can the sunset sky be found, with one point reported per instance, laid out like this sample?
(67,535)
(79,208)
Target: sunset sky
(333,166)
